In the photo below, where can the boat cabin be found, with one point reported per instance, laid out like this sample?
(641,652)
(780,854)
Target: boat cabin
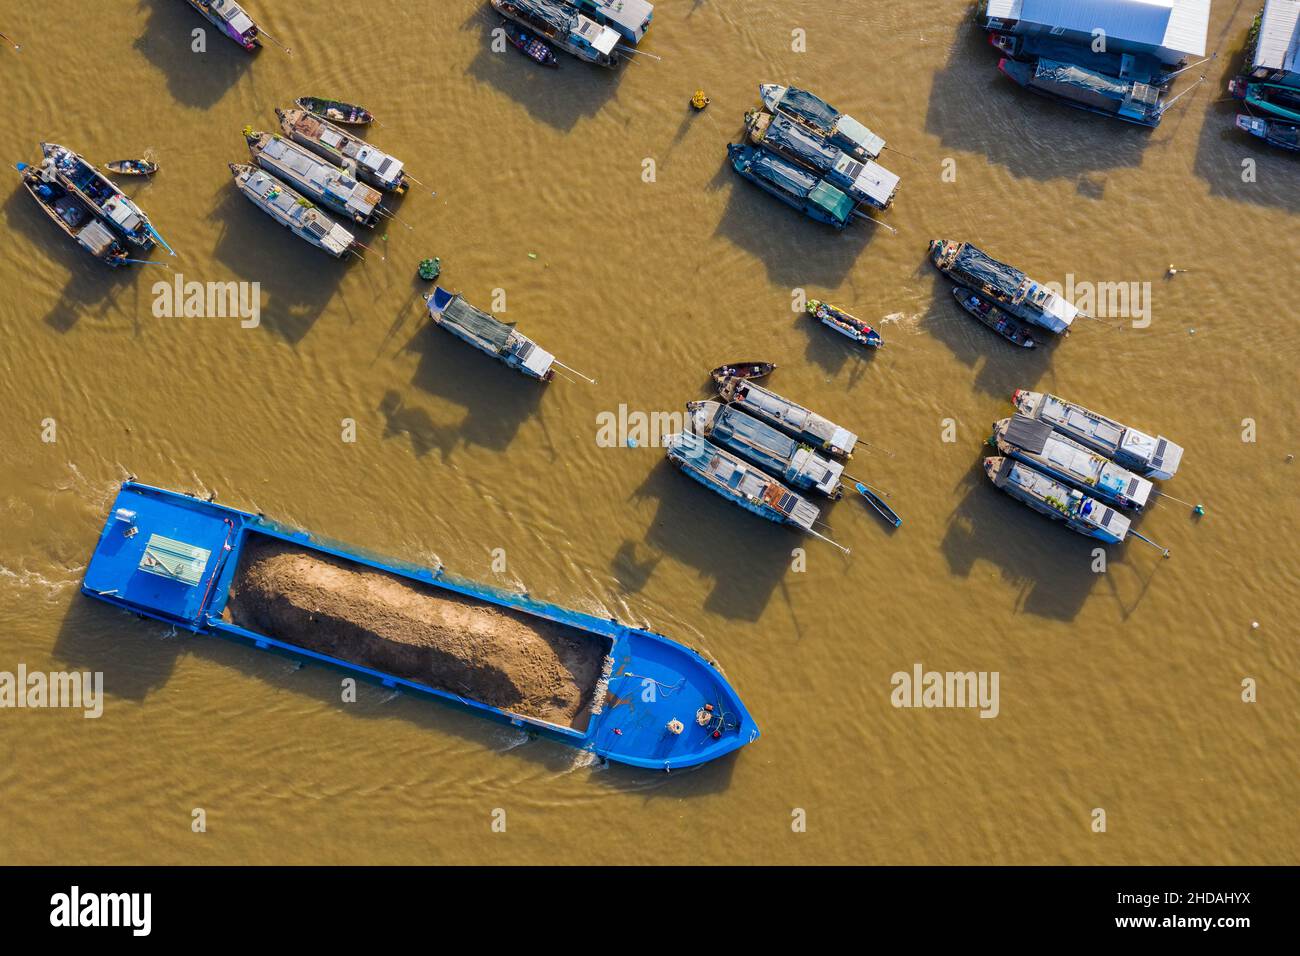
(630,18)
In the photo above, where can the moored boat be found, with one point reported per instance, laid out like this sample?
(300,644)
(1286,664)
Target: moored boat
(131,167)
(231,19)
(73,216)
(861,180)
(742,370)
(211,569)
(562,26)
(1039,445)
(629,18)
(1084,89)
(994,318)
(795,420)
(877,502)
(792,184)
(334,188)
(760,444)
(101,194)
(344,150)
(847,325)
(1082,514)
(336,111)
(1277,133)
(489,334)
(1276,99)
(529,45)
(1123,65)
(819,116)
(1008,287)
(292,210)
(1150,457)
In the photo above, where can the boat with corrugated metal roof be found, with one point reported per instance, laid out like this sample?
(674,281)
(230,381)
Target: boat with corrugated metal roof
(1084,89)
(819,116)
(793,185)
(861,180)
(344,149)
(1008,287)
(101,194)
(1275,132)
(73,216)
(216,570)
(490,335)
(1156,457)
(231,19)
(1079,512)
(336,189)
(767,447)
(793,419)
(564,27)
(1038,444)
(291,210)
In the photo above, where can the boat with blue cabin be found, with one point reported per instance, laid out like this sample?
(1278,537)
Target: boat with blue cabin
(344,149)
(793,185)
(629,18)
(231,19)
(562,26)
(488,334)
(1085,515)
(1039,445)
(793,419)
(73,216)
(1276,99)
(1006,286)
(861,180)
(336,189)
(1084,89)
(101,194)
(1150,457)
(816,114)
(1275,132)
(1124,66)
(770,449)
(291,210)
(211,569)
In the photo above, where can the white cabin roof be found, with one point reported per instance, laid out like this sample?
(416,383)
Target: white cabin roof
(1180,26)
(1279,35)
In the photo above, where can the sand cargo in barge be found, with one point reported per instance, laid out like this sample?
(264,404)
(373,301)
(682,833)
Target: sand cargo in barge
(548,670)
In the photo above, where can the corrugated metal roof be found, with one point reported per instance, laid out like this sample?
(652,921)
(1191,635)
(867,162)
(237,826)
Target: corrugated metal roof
(1178,25)
(1278,35)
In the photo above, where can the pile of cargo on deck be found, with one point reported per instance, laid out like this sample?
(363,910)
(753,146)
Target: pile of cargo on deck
(509,660)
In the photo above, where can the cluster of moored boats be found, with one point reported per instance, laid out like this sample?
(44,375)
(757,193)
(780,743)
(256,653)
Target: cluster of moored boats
(812,157)
(603,32)
(1000,296)
(1078,467)
(764,452)
(1269,84)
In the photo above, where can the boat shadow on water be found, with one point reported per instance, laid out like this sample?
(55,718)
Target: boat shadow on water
(559,98)
(974,108)
(138,658)
(744,556)
(298,282)
(93,289)
(196,80)
(833,352)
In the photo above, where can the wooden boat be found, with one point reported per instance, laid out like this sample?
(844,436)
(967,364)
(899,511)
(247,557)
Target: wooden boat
(344,149)
(319,180)
(816,114)
(336,111)
(101,194)
(74,216)
(1081,513)
(561,25)
(1089,90)
(1276,99)
(187,562)
(742,370)
(1010,288)
(792,184)
(1274,132)
(994,318)
(529,45)
(877,502)
(490,335)
(847,325)
(131,167)
(231,19)
(292,210)
(795,420)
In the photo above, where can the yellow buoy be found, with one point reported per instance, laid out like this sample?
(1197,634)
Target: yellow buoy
(699,100)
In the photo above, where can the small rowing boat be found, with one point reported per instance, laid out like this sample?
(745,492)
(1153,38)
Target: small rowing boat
(742,370)
(994,318)
(877,502)
(529,45)
(74,216)
(847,325)
(131,167)
(336,111)
(1081,513)
(1277,99)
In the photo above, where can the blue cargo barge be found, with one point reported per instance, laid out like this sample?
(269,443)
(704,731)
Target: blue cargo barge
(657,704)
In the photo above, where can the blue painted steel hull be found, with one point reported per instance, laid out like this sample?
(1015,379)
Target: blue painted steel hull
(653,681)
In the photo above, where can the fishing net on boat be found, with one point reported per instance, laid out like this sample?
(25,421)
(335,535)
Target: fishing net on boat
(784,175)
(983,269)
(811,107)
(478,323)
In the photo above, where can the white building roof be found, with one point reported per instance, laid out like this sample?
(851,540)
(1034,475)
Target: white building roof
(1279,35)
(1177,25)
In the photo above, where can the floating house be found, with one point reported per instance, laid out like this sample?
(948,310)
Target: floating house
(1277,49)
(1169,30)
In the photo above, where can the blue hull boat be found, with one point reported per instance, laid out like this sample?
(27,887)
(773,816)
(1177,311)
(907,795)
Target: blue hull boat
(792,184)
(654,704)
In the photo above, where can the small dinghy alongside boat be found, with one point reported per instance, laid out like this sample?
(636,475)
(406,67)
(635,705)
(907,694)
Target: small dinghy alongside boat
(878,503)
(488,334)
(1008,287)
(847,325)
(742,370)
(820,117)
(1277,133)
(1127,447)
(1082,514)
(336,111)
(795,420)
(101,194)
(994,318)
(344,150)
(529,45)
(131,167)
(774,451)
(561,25)
(231,19)
(792,184)
(334,188)
(292,210)
(73,216)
